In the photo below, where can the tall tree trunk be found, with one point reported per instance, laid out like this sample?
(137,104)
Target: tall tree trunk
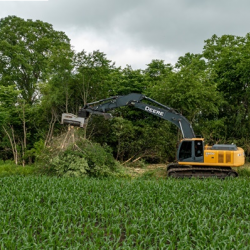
(24,144)
(51,127)
(12,143)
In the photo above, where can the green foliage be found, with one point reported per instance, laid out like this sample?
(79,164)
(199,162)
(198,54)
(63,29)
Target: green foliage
(37,150)
(149,175)
(123,133)
(244,171)
(41,77)
(228,61)
(9,98)
(92,78)
(137,136)
(157,71)
(30,52)
(128,81)
(8,168)
(189,90)
(69,164)
(82,158)
(100,159)
(72,213)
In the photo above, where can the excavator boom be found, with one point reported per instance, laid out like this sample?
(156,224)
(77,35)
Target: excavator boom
(103,106)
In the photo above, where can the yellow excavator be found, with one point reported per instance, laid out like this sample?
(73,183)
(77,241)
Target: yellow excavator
(193,158)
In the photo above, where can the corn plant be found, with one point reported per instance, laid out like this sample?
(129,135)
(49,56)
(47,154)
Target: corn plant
(71,213)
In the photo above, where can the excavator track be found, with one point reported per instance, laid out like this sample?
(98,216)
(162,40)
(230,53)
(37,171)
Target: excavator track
(187,171)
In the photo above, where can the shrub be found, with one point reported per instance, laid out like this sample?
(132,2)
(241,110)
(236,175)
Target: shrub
(100,159)
(81,158)
(70,165)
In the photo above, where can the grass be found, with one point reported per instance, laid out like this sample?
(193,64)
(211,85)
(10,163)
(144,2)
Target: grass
(9,168)
(244,171)
(70,213)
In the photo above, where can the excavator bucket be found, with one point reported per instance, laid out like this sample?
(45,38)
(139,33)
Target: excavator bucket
(73,120)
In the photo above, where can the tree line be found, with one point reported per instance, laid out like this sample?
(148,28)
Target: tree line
(41,77)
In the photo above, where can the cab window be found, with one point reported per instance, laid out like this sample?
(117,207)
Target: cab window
(198,146)
(185,150)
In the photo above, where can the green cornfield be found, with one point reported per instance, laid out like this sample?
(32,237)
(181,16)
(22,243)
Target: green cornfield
(70,213)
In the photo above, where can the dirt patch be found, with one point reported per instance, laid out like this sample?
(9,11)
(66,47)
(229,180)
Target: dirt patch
(154,170)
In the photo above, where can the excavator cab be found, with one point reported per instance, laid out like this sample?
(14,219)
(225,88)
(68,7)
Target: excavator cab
(191,150)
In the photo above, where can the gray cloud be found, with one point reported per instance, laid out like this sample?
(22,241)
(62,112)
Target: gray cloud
(160,26)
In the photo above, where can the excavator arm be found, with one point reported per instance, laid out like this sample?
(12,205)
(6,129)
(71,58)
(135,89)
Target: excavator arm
(102,107)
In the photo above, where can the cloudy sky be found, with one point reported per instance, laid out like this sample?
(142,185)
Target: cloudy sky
(134,32)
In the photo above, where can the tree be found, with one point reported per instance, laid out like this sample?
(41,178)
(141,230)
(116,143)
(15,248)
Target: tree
(9,117)
(92,76)
(128,81)
(228,61)
(189,89)
(30,51)
(158,70)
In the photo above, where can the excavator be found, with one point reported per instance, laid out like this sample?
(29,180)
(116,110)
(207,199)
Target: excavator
(193,157)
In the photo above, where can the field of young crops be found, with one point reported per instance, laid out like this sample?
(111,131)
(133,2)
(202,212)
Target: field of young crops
(60,213)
